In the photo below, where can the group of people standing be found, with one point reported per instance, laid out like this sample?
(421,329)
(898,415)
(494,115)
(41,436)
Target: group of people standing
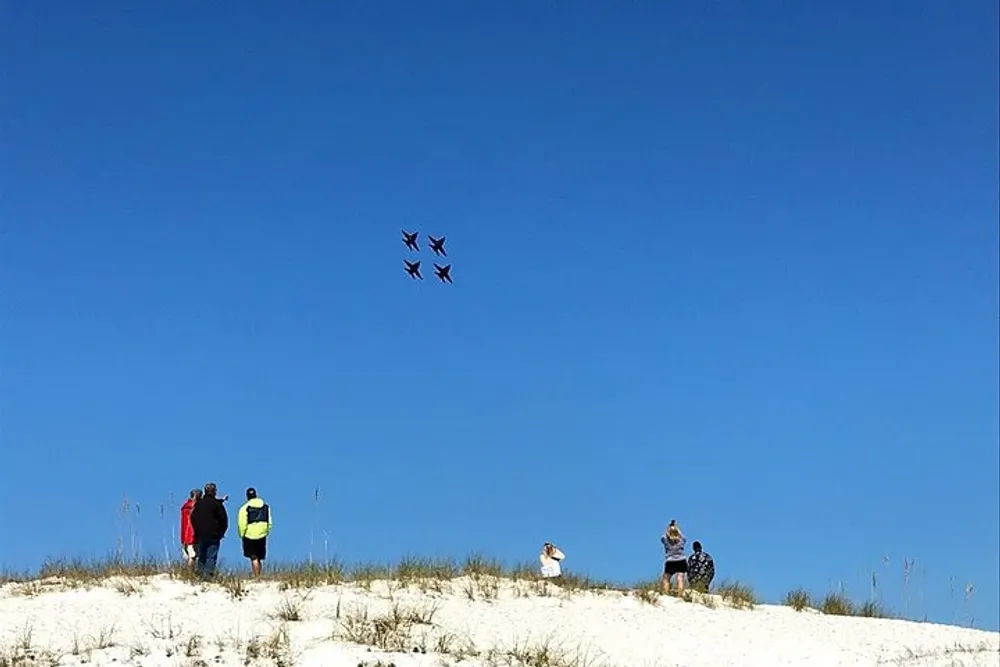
(205,521)
(698,568)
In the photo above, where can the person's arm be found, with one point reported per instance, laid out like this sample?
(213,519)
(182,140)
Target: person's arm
(241,522)
(557,554)
(223,520)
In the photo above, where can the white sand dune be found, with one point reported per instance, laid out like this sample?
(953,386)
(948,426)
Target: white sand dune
(160,621)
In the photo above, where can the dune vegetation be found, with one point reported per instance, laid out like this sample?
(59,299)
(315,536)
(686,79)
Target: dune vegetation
(476,611)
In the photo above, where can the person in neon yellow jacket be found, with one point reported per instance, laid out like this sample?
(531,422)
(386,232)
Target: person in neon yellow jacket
(254,525)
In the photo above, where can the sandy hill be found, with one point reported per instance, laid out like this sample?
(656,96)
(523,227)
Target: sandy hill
(477,620)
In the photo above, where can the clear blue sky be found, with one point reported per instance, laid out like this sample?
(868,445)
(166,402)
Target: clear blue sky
(735,265)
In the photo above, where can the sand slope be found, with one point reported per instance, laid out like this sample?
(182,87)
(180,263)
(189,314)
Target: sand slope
(159,621)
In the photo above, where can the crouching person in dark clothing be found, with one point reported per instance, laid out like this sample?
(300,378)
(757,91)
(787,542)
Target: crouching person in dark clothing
(210,522)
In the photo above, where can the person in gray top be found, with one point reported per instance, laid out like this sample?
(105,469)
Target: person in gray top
(676,564)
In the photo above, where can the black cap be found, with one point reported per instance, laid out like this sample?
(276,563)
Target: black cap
(251,493)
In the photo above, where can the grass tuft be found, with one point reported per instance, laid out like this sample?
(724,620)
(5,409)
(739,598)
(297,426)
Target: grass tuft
(291,609)
(477,564)
(277,648)
(872,609)
(798,599)
(837,604)
(308,575)
(738,595)
(234,585)
(541,654)
(391,631)
(648,593)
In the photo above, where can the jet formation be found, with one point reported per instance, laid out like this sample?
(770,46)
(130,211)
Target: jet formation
(443,273)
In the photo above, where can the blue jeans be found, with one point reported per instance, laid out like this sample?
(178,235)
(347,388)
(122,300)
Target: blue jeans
(208,556)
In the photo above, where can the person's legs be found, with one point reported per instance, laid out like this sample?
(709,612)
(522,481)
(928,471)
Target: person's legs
(255,551)
(211,557)
(671,569)
(260,553)
(248,551)
(201,555)
(682,572)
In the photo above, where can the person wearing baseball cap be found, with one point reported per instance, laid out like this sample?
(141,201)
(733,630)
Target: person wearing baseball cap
(254,525)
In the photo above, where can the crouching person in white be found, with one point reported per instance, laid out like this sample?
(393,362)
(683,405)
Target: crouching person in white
(551,557)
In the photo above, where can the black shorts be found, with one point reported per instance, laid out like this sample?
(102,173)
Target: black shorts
(671,567)
(255,549)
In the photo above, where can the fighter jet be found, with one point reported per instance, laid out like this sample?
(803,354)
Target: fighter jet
(413,268)
(443,272)
(437,245)
(411,240)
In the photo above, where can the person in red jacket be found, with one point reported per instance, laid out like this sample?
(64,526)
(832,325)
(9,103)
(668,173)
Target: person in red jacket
(187,530)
